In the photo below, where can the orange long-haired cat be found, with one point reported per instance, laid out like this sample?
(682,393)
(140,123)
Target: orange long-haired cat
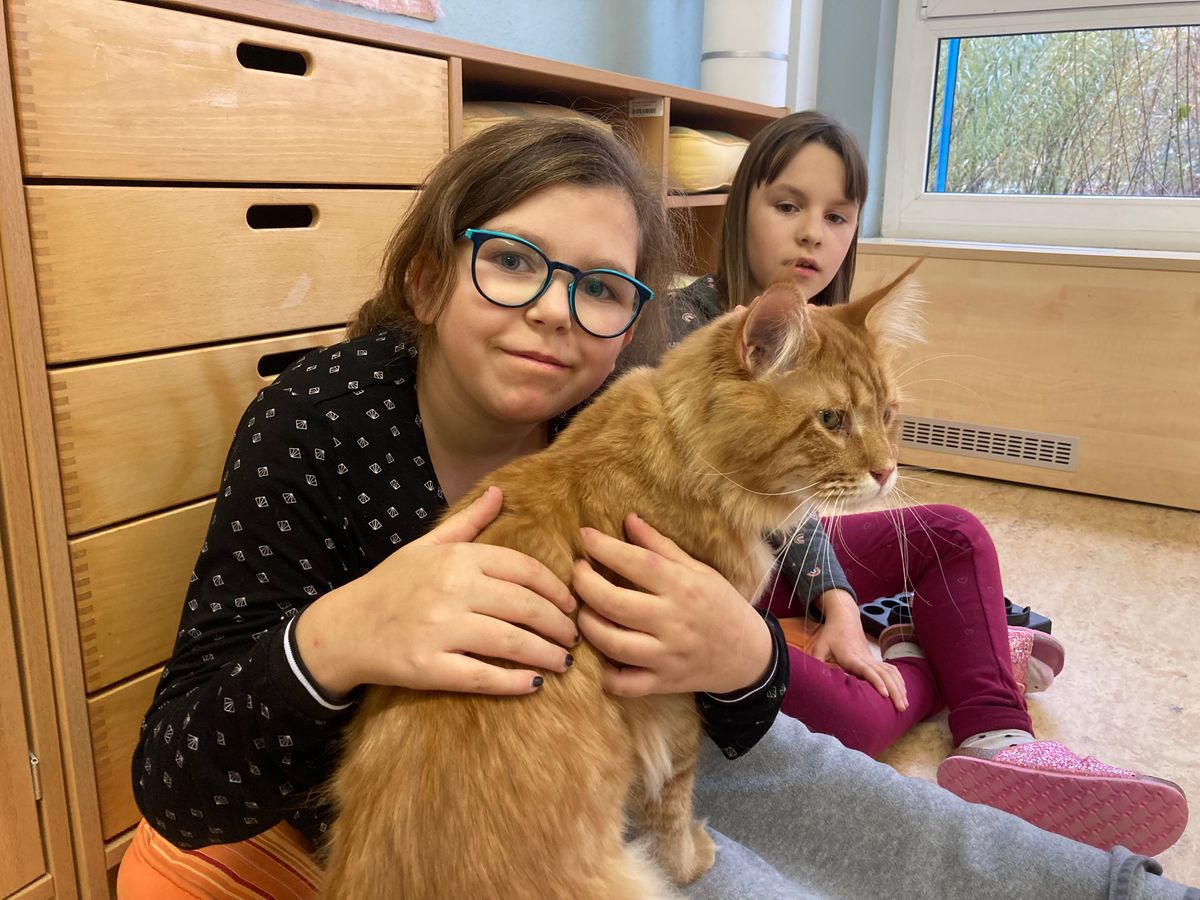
(444,795)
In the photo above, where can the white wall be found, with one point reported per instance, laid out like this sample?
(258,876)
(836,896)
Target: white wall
(858,40)
(655,39)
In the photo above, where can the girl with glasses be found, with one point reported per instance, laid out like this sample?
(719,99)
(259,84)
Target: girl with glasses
(503,305)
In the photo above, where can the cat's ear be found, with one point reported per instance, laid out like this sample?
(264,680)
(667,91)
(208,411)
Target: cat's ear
(774,329)
(892,313)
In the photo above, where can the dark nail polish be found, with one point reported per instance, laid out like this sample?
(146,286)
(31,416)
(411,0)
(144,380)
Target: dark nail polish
(569,661)
(578,638)
(537,681)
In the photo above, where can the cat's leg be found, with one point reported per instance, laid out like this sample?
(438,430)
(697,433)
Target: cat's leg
(641,878)
(677,840)
(661,805)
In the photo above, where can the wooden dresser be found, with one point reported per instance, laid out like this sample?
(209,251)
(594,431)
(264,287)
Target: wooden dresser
(192,195)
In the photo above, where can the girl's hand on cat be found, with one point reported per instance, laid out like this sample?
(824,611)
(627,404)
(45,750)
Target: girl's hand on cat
(414,618)
(687,629)
(841,640)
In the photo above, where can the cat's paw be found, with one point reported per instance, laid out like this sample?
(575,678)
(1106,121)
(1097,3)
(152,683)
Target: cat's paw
(693,855)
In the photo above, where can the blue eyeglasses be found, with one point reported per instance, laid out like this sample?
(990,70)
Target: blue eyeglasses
(510,271)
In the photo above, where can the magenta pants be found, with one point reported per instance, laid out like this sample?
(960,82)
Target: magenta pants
(959,615)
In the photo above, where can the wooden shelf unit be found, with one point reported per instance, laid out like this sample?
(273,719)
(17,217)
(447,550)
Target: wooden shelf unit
(141,302)
(695,201)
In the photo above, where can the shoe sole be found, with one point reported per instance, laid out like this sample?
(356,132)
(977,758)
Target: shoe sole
(1145,815)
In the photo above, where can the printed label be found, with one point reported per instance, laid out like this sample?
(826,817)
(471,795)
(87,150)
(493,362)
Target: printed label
(646,108)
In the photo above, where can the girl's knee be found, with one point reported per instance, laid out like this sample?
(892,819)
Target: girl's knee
(952,521)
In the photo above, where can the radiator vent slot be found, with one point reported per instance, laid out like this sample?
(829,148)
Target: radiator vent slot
(1025,448)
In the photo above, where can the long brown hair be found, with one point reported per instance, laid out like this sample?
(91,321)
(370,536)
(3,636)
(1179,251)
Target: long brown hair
(485,176)
(770,151)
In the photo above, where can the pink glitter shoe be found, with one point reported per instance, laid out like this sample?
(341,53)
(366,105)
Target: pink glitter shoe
(1082,798)
(1036,656)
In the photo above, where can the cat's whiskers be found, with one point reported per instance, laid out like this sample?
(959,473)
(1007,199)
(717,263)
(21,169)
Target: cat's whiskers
(912,467)
(749,490)
(958,384)
(828,553)
(931,535)
(797,521)
(791,538)
(796,584)
(837,524)
(938,356)
(849,495)
(903,475)
(792,523)
(896,514)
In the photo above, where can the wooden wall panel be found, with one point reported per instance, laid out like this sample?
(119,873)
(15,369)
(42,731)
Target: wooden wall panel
(1104,354)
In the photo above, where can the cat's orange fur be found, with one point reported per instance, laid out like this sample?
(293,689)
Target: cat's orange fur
(528,798)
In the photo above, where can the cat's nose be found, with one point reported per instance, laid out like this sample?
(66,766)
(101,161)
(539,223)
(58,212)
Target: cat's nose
(882,475)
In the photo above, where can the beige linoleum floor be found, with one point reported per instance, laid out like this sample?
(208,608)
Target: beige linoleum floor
(1121,583)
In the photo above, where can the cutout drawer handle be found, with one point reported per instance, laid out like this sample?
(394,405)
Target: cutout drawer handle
(273,59)
(270,365)
(281,215)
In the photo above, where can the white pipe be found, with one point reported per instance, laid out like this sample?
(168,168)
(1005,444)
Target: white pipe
(804,51)
(744,53)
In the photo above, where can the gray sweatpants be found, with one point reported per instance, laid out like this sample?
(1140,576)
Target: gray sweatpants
(802,816)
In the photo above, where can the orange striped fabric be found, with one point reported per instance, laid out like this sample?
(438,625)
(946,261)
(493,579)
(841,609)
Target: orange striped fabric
(275,865)
(800,632)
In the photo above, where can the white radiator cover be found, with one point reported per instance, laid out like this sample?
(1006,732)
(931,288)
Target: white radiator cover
(1009,445)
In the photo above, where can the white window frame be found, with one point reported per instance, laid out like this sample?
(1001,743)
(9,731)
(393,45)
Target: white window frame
(909,212)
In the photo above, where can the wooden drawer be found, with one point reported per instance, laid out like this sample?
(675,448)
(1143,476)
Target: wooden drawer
(189,268)
(139,435)
(130,583)
(112,89)
(115,718)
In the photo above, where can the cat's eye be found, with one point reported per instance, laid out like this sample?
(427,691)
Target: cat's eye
(832,418)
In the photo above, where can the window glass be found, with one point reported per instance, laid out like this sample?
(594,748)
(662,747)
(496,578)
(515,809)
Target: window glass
(1110,112)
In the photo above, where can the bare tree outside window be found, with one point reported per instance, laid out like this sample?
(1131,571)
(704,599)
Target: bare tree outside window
(1101,113)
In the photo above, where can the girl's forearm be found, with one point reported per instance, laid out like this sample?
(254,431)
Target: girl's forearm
(321,641)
